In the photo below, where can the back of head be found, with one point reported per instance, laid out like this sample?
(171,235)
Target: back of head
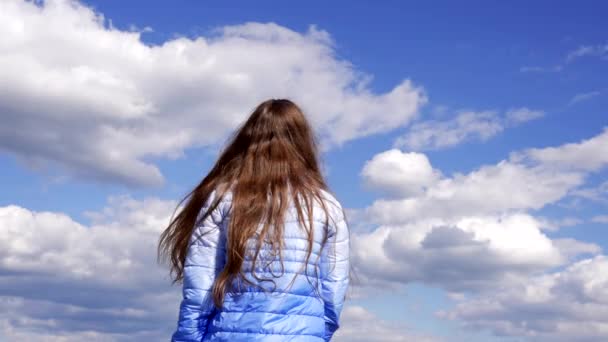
(270,162)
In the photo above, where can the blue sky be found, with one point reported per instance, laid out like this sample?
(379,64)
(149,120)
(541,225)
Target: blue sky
(109,127)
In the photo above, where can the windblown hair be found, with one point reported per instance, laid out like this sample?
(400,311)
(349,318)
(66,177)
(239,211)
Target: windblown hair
(270,160)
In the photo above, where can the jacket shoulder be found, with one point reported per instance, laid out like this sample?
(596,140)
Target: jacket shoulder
(333,205)
(221,210)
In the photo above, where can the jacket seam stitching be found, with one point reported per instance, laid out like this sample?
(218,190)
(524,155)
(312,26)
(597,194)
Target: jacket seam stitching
(277,313)
(259,333)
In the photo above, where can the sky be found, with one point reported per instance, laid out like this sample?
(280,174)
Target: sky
(468,142)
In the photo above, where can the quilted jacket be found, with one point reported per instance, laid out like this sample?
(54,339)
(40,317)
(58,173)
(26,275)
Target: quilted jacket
(283,313)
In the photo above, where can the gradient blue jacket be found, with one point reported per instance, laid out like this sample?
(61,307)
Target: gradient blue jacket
(290,313)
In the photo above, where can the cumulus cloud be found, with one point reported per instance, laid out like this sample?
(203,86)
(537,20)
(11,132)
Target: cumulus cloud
(529,179)
(61,280)
(466,232)
(359,324)
(96,101)
(26,319)
(470,254)
(465,126)
(568,305)
(488,190)
(587,155)
(475,236)
(398,173)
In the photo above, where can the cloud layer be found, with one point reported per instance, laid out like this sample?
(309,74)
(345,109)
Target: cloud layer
(361,325)
(476,236)
(61,279)
(95,100)
(570,305)
(464,127)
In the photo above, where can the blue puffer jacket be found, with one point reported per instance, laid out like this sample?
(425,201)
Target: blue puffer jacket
(293,313)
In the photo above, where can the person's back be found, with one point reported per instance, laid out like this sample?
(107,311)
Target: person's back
(286,311)
(258,267)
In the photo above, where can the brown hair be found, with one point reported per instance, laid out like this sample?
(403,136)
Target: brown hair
(273,154)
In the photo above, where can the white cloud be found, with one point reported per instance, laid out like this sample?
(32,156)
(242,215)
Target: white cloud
(597,193)
(584,97)
(46,242)
(550,224)
(519,115)
(39,320)
(465,126)
(487,190)
(97,101)
(359,324)
(398,173)
(587,155)
(62,280)
(467,231)
(600,219)
(467,254)
(555,68)
(441,134)
(568,305)
(600,50)
(571,248)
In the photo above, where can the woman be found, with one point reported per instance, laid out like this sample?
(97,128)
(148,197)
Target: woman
(261,244)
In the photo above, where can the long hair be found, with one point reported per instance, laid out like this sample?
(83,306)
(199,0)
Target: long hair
(271,160)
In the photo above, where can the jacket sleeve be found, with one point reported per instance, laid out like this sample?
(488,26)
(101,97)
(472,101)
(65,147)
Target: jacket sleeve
(204,260)
(335,274)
